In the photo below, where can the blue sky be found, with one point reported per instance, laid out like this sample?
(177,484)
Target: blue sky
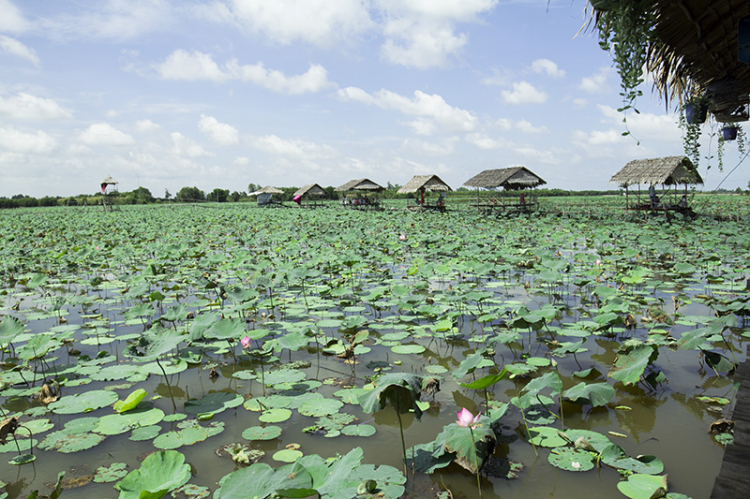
(220,93)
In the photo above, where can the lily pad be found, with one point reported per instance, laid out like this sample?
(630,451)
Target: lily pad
(83,402)
(261,433)
(213,403)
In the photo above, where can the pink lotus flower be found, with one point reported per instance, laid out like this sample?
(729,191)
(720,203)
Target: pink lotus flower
(402,237)
(598,262)
(245,342)
(466,419)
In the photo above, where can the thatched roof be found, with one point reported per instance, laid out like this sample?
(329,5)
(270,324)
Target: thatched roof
(697,51)
(426,182)
(109,181)
(671,170)
(267,190)
(362,184)
(310,189)
(517,177)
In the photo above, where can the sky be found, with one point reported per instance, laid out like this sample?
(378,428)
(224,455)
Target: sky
(165,94)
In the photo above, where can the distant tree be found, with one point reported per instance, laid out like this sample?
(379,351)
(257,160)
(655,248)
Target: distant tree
(26,201)
(236,196)
(218,195)
(253,187)
(142,196)
(167,195)
(190,195)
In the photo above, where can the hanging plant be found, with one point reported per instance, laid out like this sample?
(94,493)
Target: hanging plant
(691,134)
(626,29)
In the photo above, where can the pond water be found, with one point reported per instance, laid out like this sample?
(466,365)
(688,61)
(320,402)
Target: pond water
(540,296)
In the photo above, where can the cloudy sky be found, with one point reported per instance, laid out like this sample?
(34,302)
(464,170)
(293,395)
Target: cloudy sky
(220,93)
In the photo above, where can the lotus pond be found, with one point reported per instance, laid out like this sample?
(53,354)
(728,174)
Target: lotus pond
(232,351)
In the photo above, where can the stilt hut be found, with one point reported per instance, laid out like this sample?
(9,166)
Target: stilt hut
(309,191)
(360,194)
(668,173)
(516,178)
(107,198)
(422,183)
(265,196)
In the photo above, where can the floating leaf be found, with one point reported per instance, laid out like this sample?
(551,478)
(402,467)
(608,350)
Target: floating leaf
(644,486)
(261,433)
(571,459)
(213,403)
(159,473)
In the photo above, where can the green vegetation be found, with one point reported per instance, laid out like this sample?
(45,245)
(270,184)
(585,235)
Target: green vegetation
(302,352)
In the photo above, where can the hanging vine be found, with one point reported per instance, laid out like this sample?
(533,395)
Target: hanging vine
(626,29)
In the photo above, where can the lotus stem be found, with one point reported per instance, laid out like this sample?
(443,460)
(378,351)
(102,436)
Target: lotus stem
(169,387)
(476,461)
(403,442)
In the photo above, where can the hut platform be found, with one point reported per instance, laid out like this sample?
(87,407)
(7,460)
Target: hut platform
(733,481)
(428,207)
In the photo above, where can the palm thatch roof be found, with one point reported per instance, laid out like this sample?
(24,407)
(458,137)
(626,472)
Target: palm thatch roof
(697,50)
(310,189)
(267,190)
(516,177)
(108,180)
(671,170)
(362,184)
(426,182)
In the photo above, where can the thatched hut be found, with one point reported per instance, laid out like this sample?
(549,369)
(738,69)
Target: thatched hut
(513,178)
(422,183)
(265,195)
(360,193)
(309,190)
(509,179)
(107,199)
(108,180)
(670,171)
(701,47)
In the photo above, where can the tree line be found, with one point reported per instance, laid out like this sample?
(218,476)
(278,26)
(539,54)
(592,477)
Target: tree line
(142,195)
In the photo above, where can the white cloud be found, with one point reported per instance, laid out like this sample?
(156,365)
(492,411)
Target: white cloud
(314,79)
(527,127)
(318,22)
(105,134)
(443,148)
(181,65)
(431,110)
(182,146)
(293,148)
(597,83)
(497,79)
(420,44)
(655,127)
(548,67)
(22,142)
(524,93)
(241,161)
(14,47)
(28,107)
(487,143)
(11,19)
(146,126)
(221,133)
(422,34)
(115,19)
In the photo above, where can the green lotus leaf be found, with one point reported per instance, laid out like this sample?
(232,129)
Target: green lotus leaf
(287,455)
(359,430)
(629,366)
(65,442)
(643,486)
(159,473)
(213,403)
(83,402)
(275,415)
(144,433)
(596,394)
(545,436)
(131,402)
(614,456)
(320,407)
(408,349)
(189,433)
(571,459)
(261,433)
(400,390)
(111,473)
(115,424)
